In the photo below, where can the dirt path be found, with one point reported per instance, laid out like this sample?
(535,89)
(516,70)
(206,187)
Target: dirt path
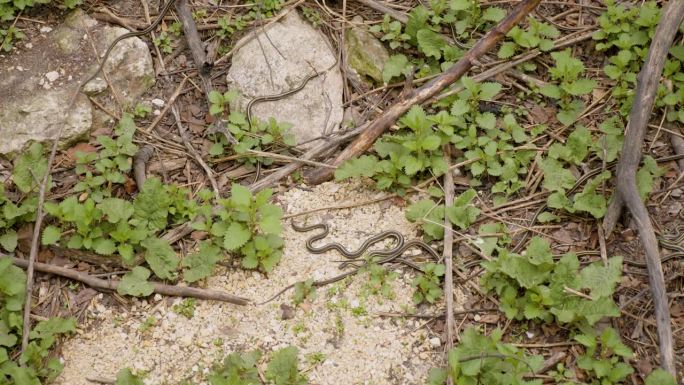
(358,347)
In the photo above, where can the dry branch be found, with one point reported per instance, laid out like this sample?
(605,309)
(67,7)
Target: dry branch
(160,288)
(448,257)
(627,192)
(430,89)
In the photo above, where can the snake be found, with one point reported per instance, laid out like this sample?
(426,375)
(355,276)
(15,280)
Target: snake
(282,95)
(385,256)
(145,31)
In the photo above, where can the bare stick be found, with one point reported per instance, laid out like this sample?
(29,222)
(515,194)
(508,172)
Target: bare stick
(627,192)
(391,114)
(448,255)
(160,288)
(30,265)
(319,149)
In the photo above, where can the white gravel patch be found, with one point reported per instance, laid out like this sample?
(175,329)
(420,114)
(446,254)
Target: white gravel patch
(359,348)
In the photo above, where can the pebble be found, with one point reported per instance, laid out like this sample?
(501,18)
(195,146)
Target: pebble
(52,76)
(435,342)
(45,29)
(158,102)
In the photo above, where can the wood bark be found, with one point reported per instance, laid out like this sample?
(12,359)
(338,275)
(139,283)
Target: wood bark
(627,192)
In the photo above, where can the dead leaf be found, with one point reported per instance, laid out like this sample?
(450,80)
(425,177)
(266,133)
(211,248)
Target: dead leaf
(79,147)
(288,312)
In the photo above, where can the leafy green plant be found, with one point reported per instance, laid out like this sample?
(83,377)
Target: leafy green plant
(312,16)
(604,357)
(283,368)
(401,156)
(186,307)
(379,280)
(627,30)
(10,8)
(537,35)
(229,25)
(428,285)
(237,369)
(248,226)
(303,290)
(481,359)
(126,377)
(532,285)
(430,216)
(255,135)
(34,364)
(567,72)
(163,41)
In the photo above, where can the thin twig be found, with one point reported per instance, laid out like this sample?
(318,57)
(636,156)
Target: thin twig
(112,284)
(448,258)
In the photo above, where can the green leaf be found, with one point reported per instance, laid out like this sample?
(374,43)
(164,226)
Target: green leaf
(104,246)
(660,377)
(507,50)
(215,97)
(53,326)
(588,200)
(29,168)
(116,209)
(460,107)
(551,91)
(51,235)
(8,240)
(395,66)
(236,236)
(269,223)
(125,377)
(200,264)
(556,177)
(363,166)
(488,90)
(486,121)
(282,369)
(493,14)
(580,87)
(161,257)
(646,175)
(599,279)
(429,215)
(240,195)
(135,283)
(462,213)
(430,43)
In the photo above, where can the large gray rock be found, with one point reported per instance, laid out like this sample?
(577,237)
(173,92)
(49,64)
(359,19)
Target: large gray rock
(279,62)
(38,82)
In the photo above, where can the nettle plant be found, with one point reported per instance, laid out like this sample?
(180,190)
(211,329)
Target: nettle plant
(482,359)
(34,364)
(537,35)
(567,72)
(248,226)
(626,31)
(604,358)
(490,145)
(580,144)
(413,152)
(533,286)
(256,135)
(428,285)
(423,30)
(10,8)
(430,215)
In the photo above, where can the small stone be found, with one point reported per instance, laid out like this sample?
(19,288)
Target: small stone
(676,193)
(156,112)
(52,76)
(158,102)
(28,45)
(20,68)
(435,342)
(45,29)
(95,86)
